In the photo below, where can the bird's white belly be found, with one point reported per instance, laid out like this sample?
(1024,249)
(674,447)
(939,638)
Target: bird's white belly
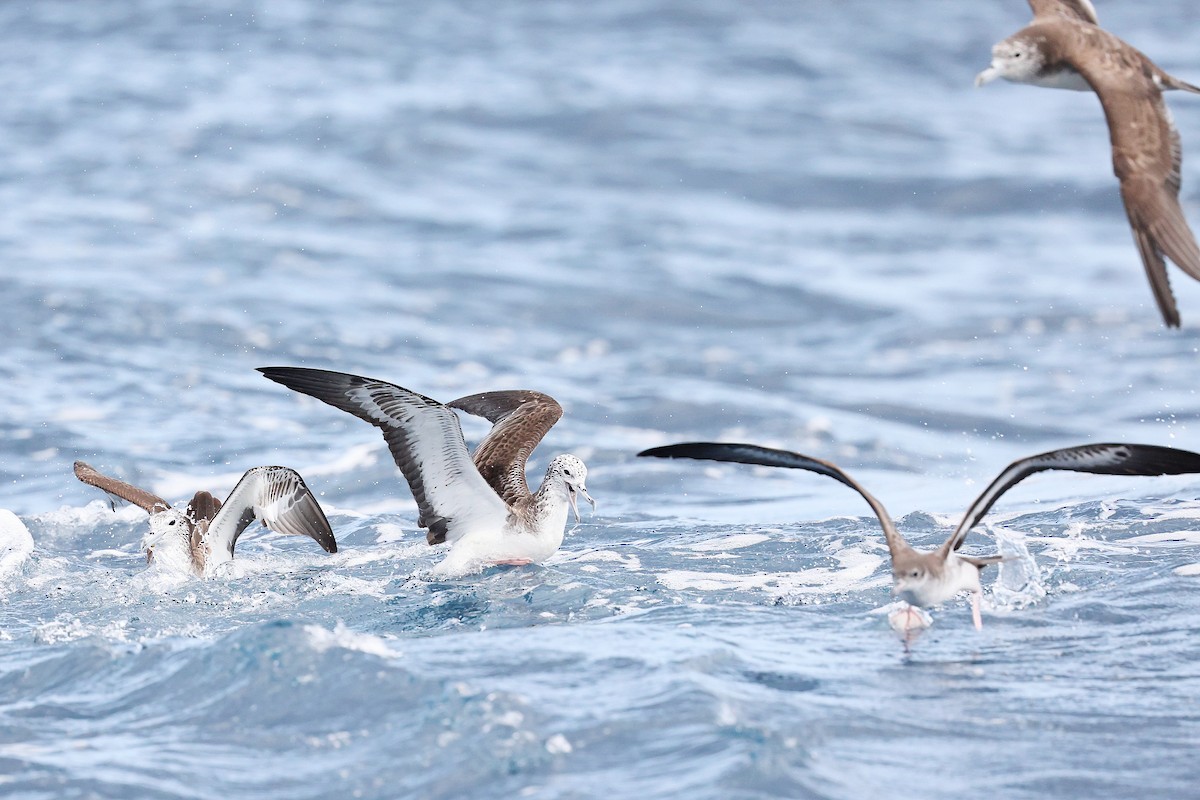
(474,552)
(959,576)
(1062,79)
(171,554)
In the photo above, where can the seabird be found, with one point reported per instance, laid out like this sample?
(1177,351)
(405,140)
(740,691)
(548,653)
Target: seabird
(201,537)
(482,507)
(928,578)
(1064,48)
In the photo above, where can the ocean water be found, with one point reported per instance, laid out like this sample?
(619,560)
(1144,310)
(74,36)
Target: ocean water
(794,224)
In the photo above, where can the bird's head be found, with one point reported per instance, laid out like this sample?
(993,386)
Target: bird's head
(1018,59)
(569,472)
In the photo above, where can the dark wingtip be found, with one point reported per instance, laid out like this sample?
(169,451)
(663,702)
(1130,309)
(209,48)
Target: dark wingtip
(279,374)
(1170,460)
(681,450)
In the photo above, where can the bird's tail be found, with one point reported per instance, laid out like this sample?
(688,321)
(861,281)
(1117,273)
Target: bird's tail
(1171,82)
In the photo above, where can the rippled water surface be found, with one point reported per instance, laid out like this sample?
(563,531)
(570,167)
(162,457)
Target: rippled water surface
(796,224)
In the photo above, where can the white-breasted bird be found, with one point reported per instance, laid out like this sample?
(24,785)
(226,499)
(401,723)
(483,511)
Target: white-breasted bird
(482,507)
(928,578)
(201,537)
(1065,48)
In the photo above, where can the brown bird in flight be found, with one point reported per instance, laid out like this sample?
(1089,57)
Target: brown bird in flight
(1065,48)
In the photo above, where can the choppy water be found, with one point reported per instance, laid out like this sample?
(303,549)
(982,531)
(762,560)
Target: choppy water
(794,224)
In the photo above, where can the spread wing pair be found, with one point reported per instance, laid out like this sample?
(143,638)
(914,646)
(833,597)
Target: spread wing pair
(1104,459)
(454,492)
(276,495)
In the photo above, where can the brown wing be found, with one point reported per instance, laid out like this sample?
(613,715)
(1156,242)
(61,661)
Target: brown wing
(1146,155)
(520,419)
(201,511)
(203,506)
(1080,10)
(152,503)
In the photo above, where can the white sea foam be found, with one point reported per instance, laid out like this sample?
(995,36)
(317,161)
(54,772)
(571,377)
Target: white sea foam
(722,544)
(323,639)
(1018,579)
(626,560)
(1173,537)
(854,574)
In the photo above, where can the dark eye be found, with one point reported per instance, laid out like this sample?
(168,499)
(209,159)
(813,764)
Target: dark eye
(1016,55)
(567,472)
(172,522)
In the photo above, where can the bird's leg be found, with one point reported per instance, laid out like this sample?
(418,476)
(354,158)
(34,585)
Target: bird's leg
(513,562)
(975,616)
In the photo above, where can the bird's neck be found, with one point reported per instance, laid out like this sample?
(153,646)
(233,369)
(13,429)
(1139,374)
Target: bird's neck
(549,509)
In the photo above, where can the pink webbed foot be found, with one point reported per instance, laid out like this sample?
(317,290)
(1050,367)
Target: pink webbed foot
(513,562)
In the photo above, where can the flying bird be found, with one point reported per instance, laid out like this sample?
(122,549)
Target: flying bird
(483,506)
(928,578)
(1064,48)
(200,538)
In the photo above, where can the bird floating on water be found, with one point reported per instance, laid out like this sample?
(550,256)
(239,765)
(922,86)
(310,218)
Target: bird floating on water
(200,538)
(482,507)
(1065,48)
(928,578)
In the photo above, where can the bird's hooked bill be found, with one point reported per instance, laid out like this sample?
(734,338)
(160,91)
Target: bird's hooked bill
(574,506)
(987,76)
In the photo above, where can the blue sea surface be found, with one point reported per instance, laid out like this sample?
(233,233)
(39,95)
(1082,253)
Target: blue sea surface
(794,224)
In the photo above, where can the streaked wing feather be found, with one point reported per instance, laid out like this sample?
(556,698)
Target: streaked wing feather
(426,443)
(1156,273)
(141,498)
(521,419)
(1099,459)
(279,497)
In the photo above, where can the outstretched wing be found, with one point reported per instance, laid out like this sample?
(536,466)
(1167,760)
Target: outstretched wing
(520,418)
(1081,10)
(1100,459)
(769,457)
(425,440)
(279,497)
(1146,152)
(152,503)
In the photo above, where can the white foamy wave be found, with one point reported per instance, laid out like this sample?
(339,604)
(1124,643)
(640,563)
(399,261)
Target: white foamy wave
(1018,579)
(95,513)
(323,639)
(350,459)
(626,560)
(856,569)
(1067,546)
(721,544)
(1172,537)
(15,542)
